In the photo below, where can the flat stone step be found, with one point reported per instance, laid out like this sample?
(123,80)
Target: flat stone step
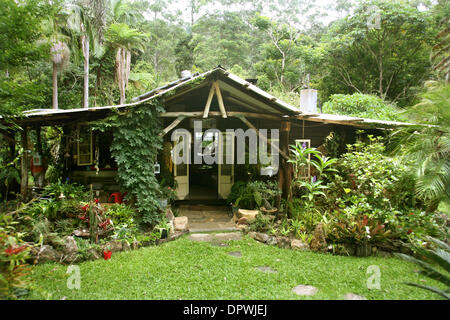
(352,296)
(236,254)
(303,290)
(219,237)
(266,269)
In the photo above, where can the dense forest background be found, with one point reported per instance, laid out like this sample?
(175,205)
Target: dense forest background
(104,52)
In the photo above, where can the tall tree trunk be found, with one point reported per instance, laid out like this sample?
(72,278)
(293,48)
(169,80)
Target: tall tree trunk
(85,43)
(55,86)
(24,165)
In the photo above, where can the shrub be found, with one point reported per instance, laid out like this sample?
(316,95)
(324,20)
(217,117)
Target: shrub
(254,194)
(261,223)
(69,190)
(383,181)
(13,254)
(361,105)
(121,214)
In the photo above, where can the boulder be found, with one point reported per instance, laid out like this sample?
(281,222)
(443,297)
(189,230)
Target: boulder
(70,245)
(272,241)
(126,246)
(299,245)
(283,242)
(169,215)
(45,253)
(243,220)
(318,242)
(261,237)
(242,227)
(252,235)
(114,246)
(181,223)
(249,214)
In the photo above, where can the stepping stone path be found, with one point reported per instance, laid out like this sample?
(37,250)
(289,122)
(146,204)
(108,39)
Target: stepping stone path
(228,236)
(303,290)
(352,296)
(220,244)
(236,254)
(266,269)
(200,237)
(215,237)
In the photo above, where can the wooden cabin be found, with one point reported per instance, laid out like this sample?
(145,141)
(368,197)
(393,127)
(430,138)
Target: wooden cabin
(218,100)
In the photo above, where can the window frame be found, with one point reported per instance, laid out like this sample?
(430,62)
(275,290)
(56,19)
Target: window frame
(296,170)
(91,146)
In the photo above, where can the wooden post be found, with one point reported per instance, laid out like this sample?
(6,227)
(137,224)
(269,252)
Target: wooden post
(208,102)
(24,165)
(92,219)
(285,172)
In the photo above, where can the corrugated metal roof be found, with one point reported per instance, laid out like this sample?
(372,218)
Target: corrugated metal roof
(270,99)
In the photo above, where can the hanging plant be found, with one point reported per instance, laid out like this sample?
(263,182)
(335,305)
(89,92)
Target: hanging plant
(135,147)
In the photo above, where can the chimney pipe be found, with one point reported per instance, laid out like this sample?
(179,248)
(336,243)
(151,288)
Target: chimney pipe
(186,74)
(308,101)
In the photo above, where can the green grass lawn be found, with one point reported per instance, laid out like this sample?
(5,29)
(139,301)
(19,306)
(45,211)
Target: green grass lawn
(184,269)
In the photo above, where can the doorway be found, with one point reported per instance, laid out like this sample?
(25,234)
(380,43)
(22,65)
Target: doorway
(207,181)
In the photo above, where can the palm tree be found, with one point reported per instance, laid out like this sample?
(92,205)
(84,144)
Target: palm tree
(60,55)
(124,40)
(426,148)
(87,19)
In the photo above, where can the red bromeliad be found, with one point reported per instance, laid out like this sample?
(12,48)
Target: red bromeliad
(10,250)
(107,254)
(105,224)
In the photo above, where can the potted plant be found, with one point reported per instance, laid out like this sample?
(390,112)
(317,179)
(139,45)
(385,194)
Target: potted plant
(164,229)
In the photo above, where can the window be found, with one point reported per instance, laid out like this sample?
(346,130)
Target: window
(305,171)
(84,146)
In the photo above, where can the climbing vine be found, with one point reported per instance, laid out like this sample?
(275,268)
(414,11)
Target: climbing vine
(135,148)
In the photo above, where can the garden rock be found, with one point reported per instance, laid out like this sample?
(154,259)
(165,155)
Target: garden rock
(261,237)
(252,235)
(272,241)
(303,290)
(318,242)
(200,237)
(242,227)
(114,246)
(181,223)
(243,220)
(352,296)
(70,246)
(283,242)
(249,214)
(228,236)
(169,215)
(125,246)
(384,254)
(299,245)
(93,254)
(46,253)
(172,227)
